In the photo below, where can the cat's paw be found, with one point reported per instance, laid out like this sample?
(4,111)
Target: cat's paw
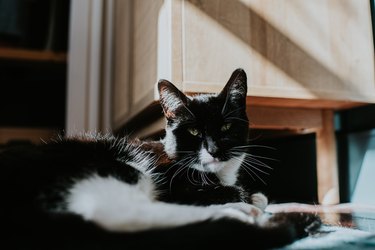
(234,214)
(239,210)
(303,223)
(259,200)
(249,209)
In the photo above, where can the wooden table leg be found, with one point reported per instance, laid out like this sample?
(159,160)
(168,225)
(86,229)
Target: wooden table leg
(327,168)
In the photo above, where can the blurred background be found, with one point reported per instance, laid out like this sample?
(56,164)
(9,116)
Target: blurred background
(67,67)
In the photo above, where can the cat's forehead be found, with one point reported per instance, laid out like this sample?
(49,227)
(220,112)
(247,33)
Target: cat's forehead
(206,106)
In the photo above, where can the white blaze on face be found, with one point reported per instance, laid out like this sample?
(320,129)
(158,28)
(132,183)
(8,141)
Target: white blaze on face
(208,163)
(206,157)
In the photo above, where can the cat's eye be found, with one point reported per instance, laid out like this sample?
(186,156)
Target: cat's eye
(226,127)
(193,131)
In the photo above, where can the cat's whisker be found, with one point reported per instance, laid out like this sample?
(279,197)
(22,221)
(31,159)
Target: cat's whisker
(257,162)
(240,160)
(252,177)
(254,167)
(248,168)
(193,176)
(254,146)
(175,174)
(211,182)
(186,161)
(250,158)
(262,157)
(207,179)
(237,118)
(191,180)
(187,168)
(180,162)
(202,177)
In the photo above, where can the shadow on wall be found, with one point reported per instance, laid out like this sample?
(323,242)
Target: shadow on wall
(273,45)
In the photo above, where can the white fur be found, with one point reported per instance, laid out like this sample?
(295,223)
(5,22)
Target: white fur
(119,206)
(259,200)
(228,174)
(140,159)
(206,157)
(204,97)
(170,100)
(226,171)
(169,141)
(236,94)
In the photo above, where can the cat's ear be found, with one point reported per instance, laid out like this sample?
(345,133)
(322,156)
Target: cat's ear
(172,100)
(235,91)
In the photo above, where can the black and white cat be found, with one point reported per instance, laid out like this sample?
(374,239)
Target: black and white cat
(105,192)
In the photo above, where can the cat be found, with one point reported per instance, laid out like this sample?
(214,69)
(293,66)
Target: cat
(103,192)
(208,135)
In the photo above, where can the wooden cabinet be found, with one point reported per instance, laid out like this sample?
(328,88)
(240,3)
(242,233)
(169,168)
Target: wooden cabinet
(304,59)
(319,51)
(292,49)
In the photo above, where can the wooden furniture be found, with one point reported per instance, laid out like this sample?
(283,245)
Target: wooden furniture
(34,68)
(33,92)
(32,55)
(304,60)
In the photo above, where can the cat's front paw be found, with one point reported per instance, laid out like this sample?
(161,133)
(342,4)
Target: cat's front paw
(259,200)
(248,209)
(238,210)
(303,223)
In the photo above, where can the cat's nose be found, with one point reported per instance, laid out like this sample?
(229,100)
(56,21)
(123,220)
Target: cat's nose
(213,151)
(212,147)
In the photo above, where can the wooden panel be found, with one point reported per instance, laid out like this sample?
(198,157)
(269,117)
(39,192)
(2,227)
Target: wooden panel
(327,168)
(284,118)
(136,61)
(35,135)
(295,49)
(33,55)
(121,70)
(300,103)
(144,57)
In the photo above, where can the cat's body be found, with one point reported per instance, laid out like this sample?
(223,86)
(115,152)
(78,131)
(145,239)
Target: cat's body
(107,192)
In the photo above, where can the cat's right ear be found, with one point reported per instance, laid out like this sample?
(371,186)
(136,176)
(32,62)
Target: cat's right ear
(172,100)
(235,91)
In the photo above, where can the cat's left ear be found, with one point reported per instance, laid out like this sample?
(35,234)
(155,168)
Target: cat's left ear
(235,91)
(172,100)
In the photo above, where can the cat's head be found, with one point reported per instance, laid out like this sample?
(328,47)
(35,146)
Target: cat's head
(207,132)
